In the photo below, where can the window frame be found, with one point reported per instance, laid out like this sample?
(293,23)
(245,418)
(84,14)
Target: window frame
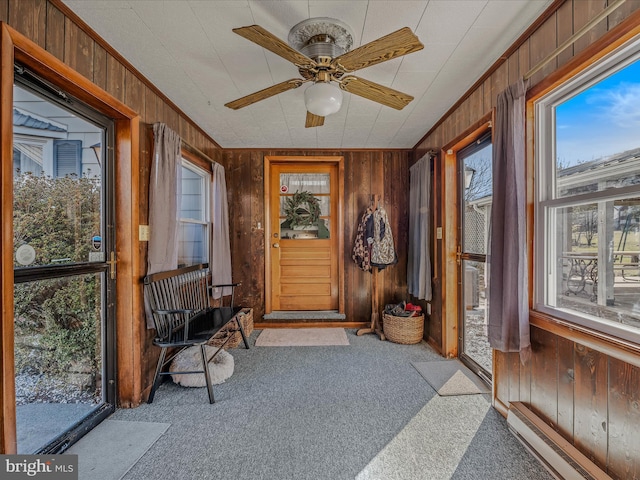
(546,198)
(205,177)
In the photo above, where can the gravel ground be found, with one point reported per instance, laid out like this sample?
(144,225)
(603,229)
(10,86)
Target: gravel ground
(44,389)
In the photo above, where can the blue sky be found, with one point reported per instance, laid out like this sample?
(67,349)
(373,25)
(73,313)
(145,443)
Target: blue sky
(601,121)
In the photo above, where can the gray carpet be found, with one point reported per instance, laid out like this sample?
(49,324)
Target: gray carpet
(450,377)
(113,447)
(328,413)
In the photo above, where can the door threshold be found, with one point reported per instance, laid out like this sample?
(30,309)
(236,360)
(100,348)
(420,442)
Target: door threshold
(304,315)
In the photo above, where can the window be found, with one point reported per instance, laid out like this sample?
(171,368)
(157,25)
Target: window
(67,158)
(587,215)
(194,216)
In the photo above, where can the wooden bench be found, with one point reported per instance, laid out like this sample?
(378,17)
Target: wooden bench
(180,303)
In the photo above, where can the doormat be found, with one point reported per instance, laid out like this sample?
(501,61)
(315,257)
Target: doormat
(111,449)
(301,337)
(450,377)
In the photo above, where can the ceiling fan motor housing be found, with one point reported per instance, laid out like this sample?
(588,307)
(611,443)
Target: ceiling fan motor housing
(321,37)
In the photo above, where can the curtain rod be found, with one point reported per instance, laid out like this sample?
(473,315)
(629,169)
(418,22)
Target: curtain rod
(198,152)
(605,13)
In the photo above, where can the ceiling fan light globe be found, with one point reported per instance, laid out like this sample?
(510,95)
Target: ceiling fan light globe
(323,98)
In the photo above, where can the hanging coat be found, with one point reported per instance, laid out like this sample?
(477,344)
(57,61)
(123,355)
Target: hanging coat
(383,252)
(362,245)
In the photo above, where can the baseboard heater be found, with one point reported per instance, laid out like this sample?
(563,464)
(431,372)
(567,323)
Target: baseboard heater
(561,458)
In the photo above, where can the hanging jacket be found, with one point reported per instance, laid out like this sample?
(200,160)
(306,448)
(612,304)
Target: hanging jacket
(362,245)
(382,251)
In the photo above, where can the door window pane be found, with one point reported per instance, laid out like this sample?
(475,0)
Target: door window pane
(58,355)
(295,215)
(476,340)
(57,218)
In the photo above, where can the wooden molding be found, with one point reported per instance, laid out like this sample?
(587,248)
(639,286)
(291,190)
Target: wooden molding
(450,239)
(615,347)
(53,70)
(8,438)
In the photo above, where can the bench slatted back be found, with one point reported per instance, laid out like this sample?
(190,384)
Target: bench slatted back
(181,289)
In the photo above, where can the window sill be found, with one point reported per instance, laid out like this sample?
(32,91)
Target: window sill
(613,346)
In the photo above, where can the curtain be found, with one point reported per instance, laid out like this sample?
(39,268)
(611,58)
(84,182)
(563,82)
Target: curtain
(219,249)
(164,191)
(419,262)
(508,276)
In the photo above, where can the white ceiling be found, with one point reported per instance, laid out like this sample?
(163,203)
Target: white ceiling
(187,49)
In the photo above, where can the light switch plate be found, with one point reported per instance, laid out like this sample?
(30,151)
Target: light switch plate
(143,233)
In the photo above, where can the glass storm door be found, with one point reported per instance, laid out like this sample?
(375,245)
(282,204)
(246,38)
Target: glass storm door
(475,166)
(63,237)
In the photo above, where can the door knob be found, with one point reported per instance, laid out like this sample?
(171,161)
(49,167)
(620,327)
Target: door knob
(276,245)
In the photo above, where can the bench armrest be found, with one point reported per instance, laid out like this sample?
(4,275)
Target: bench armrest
(171,312)
(225,285)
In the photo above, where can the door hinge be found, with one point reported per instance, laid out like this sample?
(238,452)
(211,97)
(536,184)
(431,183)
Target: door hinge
(459,255)
(112,265)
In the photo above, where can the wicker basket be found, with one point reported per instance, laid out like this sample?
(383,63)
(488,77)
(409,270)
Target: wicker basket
(246,317)
(405,330)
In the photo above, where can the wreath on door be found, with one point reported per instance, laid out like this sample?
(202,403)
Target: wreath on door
(302,209)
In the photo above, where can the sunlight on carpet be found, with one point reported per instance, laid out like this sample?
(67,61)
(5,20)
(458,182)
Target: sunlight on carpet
(450,377)
(433,441)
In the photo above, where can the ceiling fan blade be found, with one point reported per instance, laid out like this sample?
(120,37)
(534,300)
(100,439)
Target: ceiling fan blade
(396,44)
(262,37)
(314,120)
(376,92)
(265,93)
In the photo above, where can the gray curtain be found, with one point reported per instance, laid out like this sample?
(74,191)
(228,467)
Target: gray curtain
(220,249)
(419,261)
(164,191)
(508,275)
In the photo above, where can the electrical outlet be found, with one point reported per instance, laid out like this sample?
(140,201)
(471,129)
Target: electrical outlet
(143,233)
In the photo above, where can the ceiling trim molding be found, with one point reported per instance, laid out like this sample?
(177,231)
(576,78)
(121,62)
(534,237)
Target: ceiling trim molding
(551,9)
(114,53)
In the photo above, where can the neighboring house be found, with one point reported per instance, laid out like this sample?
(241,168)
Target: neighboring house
(52,148)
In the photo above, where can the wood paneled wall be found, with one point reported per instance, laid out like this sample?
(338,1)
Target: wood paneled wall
(588,393)
(366,173)
(592,399)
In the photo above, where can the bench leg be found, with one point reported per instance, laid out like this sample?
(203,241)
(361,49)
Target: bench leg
(244,337)
(205,366)
(156,379)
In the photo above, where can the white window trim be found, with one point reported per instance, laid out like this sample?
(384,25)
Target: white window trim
(206,203)
(545,188)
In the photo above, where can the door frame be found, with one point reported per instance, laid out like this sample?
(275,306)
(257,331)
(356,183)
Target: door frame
(268,190)
(128,308)
(450,206)
(462,256)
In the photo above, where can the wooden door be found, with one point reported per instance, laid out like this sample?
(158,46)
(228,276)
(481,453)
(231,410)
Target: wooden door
(303,247)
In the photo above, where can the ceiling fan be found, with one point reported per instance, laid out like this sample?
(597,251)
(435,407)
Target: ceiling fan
(320,48)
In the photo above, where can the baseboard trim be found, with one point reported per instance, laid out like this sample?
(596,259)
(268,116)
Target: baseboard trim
(262,325)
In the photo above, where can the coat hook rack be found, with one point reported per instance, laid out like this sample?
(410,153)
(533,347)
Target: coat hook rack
(375,326)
